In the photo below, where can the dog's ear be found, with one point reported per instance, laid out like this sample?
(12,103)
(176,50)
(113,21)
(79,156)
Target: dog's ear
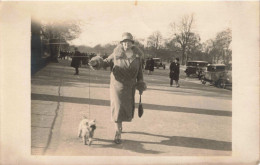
(94,120)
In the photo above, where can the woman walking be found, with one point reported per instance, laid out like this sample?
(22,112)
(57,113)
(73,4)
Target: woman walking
(125,78)
(175,72)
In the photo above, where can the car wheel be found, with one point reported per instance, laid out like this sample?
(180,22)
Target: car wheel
(218,84)
(203,81)
(222,84)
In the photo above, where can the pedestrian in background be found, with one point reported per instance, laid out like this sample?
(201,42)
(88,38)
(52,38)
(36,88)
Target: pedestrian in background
(125,78)
(143,64)
(151,66)
(84,58)
(175,72)
(76,61)
(147,65)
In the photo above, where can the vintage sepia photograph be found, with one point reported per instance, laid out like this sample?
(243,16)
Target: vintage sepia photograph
(129,82)
(132,79)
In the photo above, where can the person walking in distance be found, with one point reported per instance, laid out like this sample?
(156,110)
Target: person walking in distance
(151,67)
(147,65)
(175,72)
(125,78)
(76,61)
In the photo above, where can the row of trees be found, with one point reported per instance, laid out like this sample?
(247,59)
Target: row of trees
(183,42)
(55,36)
(186,44)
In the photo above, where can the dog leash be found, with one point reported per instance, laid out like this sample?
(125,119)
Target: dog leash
(89,92)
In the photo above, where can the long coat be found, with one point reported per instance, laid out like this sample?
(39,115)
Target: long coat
(76,61)
(147,64)
(125,74)
(151,67)
(174,71)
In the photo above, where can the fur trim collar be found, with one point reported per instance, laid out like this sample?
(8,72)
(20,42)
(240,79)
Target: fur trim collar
(119,51)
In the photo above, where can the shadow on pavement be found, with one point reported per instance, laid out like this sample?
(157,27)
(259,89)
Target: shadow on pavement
(55,75)
(45,97)
(78,100)
(189,85)
(179,141)
(190,142)
(132,145)
(195,92)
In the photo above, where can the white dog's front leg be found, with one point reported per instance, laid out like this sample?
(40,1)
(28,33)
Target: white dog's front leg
(89,141)
(84,139)
(79,132)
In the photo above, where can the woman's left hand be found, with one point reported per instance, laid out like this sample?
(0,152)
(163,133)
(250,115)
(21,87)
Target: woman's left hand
(140,92)
(141,86)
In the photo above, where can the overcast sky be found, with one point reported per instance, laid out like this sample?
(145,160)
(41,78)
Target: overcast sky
(105,22)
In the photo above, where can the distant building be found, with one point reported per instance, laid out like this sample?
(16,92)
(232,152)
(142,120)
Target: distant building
(39,56)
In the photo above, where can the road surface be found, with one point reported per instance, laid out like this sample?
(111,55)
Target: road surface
(192,120)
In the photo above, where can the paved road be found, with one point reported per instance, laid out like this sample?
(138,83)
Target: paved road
(194,119)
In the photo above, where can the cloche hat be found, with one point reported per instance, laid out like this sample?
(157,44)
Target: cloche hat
(127,36)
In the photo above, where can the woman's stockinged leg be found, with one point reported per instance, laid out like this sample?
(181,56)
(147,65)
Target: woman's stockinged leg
(171,82)
(118,127)
(177,83)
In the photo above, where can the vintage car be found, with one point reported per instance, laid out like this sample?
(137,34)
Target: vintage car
(217,75)
(158,63)
(195,68)
(226,81)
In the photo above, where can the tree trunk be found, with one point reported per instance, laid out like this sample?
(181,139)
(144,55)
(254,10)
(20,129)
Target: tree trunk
(54,49)
(183,57)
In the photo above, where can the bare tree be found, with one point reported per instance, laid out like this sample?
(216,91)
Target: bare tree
(182,32)
(223,40)
(66,30)
(58,33)
(155,40)
(208,47)
(193,47)
(219,48)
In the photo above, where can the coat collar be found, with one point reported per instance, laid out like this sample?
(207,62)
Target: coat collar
(119,51)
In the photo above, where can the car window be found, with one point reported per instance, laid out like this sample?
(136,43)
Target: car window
(203,64)
(192,64)
(220,68)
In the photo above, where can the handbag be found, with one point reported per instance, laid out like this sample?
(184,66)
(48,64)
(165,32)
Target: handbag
(140,108)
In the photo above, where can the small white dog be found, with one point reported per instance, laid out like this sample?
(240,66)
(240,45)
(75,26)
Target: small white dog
(86,130)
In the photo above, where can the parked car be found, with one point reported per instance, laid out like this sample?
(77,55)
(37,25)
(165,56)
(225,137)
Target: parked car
(195,68)
(217,75)
(226,81)
(158,63)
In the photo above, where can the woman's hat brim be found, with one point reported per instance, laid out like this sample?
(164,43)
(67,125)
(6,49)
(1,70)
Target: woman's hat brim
(127,40)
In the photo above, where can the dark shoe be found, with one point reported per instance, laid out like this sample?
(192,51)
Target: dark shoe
(121,130)
(117,139)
